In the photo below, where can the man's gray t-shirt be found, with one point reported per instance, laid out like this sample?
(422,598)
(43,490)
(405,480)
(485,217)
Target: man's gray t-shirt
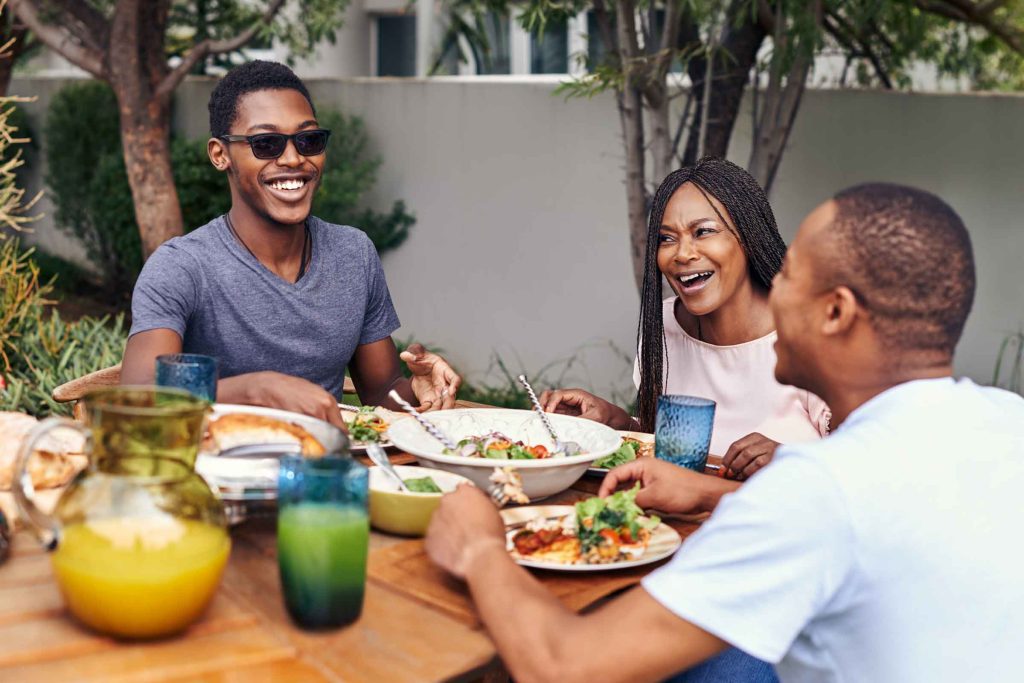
(223,302)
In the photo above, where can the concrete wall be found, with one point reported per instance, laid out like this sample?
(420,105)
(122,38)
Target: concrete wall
(521,247)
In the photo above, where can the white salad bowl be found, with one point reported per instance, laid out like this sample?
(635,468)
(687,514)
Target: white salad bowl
(541,478)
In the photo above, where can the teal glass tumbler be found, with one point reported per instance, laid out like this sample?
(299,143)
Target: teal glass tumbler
(192,372)
(682,430)
(323,537)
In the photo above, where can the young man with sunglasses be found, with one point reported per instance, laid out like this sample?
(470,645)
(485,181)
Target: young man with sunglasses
(283,300)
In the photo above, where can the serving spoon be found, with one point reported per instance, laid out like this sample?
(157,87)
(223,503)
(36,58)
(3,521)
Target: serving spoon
(380,459)
(566,447)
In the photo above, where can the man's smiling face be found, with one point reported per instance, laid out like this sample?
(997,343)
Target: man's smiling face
(280,190)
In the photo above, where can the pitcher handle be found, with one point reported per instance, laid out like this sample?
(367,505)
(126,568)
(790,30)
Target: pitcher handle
(44,526)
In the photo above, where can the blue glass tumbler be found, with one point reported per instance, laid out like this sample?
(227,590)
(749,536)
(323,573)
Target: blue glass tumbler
(192,372)
(323,537)
(682,430)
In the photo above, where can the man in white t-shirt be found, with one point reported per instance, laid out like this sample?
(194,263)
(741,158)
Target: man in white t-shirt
(887,552)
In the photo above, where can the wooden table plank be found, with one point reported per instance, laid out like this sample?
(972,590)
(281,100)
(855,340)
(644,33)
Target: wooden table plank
(396,638)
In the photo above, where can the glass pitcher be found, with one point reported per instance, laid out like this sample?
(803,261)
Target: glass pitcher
(138,539)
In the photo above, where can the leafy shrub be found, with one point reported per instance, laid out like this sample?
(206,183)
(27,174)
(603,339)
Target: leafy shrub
(349,173)
(38,350)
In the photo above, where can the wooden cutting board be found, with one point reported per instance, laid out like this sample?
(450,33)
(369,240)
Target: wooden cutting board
(405,568)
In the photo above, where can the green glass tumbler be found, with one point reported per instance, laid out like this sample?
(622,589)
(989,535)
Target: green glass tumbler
(323,535)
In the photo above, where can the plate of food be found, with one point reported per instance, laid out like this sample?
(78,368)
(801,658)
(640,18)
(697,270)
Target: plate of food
(634,445)
(255,478)
(596,534)
(368,424)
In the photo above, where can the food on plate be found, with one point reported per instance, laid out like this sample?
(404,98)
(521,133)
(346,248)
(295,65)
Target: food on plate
(602,531)
(422,485)
(497,446)
(631,449)
(51,465)
(239,429)
(511,485)
(367,425)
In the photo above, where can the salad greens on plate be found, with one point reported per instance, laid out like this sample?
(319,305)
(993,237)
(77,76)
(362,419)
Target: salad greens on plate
(613,520)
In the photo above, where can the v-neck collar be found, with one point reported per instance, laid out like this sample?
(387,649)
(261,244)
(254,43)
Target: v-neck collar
(247,257)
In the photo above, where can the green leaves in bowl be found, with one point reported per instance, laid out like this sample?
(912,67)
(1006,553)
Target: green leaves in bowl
(422,485)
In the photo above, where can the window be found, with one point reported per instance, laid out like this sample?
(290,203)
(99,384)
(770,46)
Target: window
(498,60)
(396,45)
(597,51)
(549,51)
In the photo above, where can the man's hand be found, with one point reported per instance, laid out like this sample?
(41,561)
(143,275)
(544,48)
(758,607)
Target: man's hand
(748,455)
(464,524)
(433,381)
(277,390)
(667,487)
(582,403)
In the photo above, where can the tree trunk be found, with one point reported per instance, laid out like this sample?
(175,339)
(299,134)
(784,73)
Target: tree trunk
(147,160)
(631,116)
(735,58)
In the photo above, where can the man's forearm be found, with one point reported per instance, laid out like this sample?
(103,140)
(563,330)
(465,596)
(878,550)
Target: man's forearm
(528,624)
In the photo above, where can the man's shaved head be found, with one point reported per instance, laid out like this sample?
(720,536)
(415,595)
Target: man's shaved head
(907,256)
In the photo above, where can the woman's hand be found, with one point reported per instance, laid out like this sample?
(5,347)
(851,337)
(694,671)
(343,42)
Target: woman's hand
(584,404)
(748,455)
(667,487)
(433,381)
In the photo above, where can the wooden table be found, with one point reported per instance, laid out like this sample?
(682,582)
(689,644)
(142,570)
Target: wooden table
(417,623)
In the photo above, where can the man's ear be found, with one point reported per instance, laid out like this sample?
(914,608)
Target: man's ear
(217,150)
(840,311)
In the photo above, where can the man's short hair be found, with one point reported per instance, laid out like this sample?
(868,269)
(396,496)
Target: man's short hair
(244,79)
(908,257)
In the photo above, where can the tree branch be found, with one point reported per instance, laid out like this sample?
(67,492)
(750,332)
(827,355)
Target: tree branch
(57,39)
(845,34)
(208,47)
(976,15)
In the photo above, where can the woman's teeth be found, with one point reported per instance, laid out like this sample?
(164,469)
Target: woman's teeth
(293,184)
(695,278)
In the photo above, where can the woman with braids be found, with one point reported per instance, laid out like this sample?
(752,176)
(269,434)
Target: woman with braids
(713,237)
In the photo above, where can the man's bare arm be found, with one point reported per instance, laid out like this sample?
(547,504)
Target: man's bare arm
(271,389)
(139,363)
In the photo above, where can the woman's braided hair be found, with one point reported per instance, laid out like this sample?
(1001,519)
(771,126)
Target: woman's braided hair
(752,222)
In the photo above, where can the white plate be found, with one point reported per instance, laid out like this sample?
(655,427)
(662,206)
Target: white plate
(541,477)
(243,479)
(639,436)
(664,541)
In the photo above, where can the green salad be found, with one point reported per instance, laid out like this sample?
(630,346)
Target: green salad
(367,426)
(613,520)
(422,485)
(626,453)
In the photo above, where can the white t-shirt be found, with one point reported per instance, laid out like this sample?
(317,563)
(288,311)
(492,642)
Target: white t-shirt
(890,551)
(740,379)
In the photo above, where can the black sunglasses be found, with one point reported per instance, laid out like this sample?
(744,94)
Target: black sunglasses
(308,143)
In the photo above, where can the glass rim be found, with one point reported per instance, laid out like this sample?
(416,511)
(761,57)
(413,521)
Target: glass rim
(195,359)
(99,398)
(338,464)
(685,400)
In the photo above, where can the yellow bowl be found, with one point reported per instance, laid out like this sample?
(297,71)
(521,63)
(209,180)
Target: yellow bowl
(407,514)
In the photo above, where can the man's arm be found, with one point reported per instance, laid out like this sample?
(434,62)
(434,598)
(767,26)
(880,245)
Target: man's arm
(632,638)
(139,363)
(271,389)
(375,371)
